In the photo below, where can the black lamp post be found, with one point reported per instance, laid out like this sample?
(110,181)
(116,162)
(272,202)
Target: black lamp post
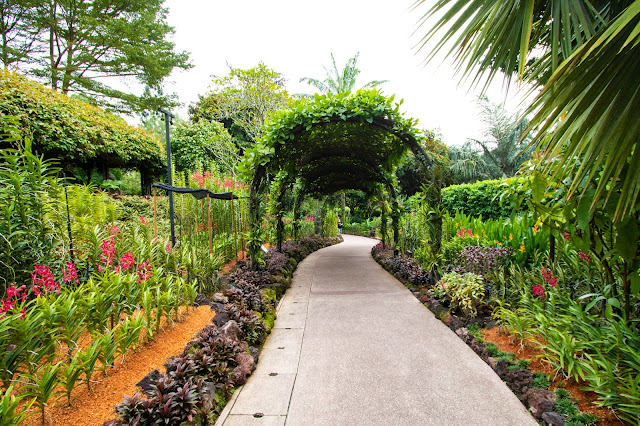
(168,119)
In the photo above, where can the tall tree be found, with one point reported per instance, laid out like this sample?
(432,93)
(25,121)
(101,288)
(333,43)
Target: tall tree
(19,31)
(340,80)
(242,101)
(76,44)
(584,57)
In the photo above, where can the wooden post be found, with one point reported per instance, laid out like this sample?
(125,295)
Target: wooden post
(155,213)
(233,222)
(209,220)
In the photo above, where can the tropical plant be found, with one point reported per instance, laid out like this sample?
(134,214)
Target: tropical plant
(202,145)
(584,57)
(340,80)
(464,291)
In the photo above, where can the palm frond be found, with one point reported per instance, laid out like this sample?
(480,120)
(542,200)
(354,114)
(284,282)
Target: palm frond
(591,105)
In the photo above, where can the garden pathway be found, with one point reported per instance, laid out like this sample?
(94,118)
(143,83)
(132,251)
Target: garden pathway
(352,346)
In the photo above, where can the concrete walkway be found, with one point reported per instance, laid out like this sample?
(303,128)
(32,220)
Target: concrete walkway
(352,346)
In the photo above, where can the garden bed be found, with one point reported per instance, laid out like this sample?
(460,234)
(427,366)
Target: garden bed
(96,406)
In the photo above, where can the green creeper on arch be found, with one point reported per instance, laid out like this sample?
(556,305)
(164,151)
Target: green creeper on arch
(329,144)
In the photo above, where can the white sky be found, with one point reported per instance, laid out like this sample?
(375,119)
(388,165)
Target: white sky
(296,38)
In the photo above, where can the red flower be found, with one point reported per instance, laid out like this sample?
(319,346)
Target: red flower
(565,235)
(461,232)
(584,256)
(70,273)
(143,220)
(126,261)
(538,291)
(144,271)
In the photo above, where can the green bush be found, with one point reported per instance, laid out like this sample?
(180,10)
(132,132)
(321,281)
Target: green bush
(479,199)
(75,132)
(465,291)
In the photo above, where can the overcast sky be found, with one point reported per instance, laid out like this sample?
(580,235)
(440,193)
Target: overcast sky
(296,38)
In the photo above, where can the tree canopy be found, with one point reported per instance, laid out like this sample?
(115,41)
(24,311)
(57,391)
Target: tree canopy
(76,133)
(242,101)
(73,45)
(203,144)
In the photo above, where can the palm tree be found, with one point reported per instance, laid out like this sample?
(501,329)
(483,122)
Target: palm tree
(340,81)
(583,56)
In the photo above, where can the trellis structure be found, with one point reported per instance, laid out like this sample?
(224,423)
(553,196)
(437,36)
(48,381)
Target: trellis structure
(330,144)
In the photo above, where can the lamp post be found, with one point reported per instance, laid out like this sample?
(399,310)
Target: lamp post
(168,119)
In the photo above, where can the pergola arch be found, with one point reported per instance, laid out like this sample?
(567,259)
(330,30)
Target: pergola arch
(330,144)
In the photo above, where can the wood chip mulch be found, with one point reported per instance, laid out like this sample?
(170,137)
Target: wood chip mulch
(584,399)
(95,407)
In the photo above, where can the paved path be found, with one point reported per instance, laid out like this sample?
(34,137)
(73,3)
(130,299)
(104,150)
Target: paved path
(352,346)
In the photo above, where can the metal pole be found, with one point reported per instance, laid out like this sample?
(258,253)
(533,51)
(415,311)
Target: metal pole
(552,248)
(233,221)
(66,196)
(167,119)
(209,223)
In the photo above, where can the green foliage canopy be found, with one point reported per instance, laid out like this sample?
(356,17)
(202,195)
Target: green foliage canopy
(584,55)
(74,44)
(202,144)
(75,132)
(335,142)
(243,100)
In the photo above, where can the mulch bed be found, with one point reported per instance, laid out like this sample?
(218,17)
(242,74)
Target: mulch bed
(97,406)
(583,399)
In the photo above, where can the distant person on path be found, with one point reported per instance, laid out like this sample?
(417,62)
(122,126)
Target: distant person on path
(339,225)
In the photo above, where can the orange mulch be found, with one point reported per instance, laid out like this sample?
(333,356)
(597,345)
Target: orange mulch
(97,406)
(583,399)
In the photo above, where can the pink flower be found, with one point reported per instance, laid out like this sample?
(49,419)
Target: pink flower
(114,230)
(470,232)
(584,256)
(461,232)
(144,271)
(143,220)
(229,183)
(43,282)
(70,273)
(11,291)
(126,261)
(538,291)
(565,235)
(169,248)
(547,274)
(108,248)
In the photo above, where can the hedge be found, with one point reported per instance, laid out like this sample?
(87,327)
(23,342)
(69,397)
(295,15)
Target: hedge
(479,199)
(76,132)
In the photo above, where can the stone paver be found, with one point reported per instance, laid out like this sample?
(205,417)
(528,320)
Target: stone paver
(352,346)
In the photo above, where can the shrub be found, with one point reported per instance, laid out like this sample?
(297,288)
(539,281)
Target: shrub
(484,261)
(465,291)
(478,199)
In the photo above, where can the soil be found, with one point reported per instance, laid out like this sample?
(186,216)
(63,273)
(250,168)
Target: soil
(583,399)
(97,406)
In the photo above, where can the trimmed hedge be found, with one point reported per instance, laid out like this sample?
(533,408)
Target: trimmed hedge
(76,132)
(479,199)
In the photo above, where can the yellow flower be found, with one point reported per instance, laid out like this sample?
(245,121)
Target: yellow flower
(521,249)
(510,237)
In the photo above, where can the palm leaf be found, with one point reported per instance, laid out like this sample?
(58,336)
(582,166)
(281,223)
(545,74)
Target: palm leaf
(591,105)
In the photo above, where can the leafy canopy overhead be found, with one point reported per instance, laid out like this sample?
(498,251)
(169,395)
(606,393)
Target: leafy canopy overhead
(75,132)
(73,45)
(335,142)
(585,56)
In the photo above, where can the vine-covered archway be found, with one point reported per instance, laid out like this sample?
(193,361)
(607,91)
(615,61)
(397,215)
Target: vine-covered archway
(330,144)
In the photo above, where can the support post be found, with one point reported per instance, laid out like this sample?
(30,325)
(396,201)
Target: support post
(233,223)
(209,223)
(167,121)
(155,215)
